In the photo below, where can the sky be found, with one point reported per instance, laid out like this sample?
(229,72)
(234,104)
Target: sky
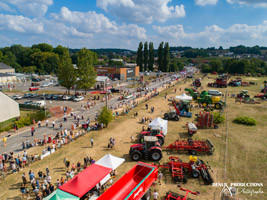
(125,23)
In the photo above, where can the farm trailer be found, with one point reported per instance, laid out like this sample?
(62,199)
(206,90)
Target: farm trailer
(175,196)
(133,185)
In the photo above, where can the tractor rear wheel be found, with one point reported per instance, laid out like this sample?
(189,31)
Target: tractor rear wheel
(195,173)
(176,118)
(155,155)
(136,155)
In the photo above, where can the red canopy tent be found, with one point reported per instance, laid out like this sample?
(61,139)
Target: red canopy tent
(86,180)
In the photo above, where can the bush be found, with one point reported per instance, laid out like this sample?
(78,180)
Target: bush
(218,118)
(245,120)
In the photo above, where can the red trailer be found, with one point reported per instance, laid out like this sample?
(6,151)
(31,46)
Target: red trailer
(133,185)
(191,146)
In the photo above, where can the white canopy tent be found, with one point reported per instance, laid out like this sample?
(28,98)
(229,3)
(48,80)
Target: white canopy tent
(160,123)
(184,97)
(109,161)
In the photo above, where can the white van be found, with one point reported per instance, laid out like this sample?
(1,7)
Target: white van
(40,103)
(214,93)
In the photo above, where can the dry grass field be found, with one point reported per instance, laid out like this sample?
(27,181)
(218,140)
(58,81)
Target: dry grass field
(246,148)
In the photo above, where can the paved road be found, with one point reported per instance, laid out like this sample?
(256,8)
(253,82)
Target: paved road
(14,142)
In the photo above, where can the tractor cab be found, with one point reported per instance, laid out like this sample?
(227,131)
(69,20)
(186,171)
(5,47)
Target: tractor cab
(150,141)
(155,131)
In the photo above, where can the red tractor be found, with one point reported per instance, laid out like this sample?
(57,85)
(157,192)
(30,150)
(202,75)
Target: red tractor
(175,196)
(149,149)
(154,131)
(197,83)
(195,167)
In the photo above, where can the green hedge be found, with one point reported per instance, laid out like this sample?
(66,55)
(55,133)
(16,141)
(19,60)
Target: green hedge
(245,120)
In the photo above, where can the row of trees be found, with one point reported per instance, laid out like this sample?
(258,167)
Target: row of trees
(244,66)
(145,58)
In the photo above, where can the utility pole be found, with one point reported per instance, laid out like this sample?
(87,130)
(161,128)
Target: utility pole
(106,97)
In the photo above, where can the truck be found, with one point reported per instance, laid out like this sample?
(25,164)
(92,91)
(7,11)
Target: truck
(133,185)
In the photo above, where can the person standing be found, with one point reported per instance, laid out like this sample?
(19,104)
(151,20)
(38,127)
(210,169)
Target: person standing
(46,123)
(4,140)
(155,195)
(32,130)
(53,124)
(92,142)
(160,175)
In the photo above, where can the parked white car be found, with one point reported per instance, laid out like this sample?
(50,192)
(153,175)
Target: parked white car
(214,93)
(44,85)
(16,97)
(66,98)
(78,98)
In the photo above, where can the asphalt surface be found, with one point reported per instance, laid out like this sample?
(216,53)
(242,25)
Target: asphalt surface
(14,141)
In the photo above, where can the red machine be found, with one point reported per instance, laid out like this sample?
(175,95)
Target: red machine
(35,84)
(219,83)
(197,83)
(194,167)
(149,149)
(33,88)
(191,146)
(175,196)
(153,132)
(133,185)
(205,120)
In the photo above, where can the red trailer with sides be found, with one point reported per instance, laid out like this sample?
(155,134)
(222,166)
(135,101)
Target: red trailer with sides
(134,184)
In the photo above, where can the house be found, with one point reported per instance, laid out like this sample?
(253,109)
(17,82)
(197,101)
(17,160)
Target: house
(6,69)
(7,78)
(8,108)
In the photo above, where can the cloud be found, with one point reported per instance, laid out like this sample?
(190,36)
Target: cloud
(214,35)
(20,24)
(205,2)
(142,11)
(256,3)
(31,8)
(94,23)
(5,7)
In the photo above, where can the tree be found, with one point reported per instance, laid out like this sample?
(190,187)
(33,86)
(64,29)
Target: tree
(105,116)
(66,72)
(85,70)
(139,58)
(160,57)
(216,65)
(43,47)
(145,56)
(205,68)
(166,58)
(151,57)
(30,69)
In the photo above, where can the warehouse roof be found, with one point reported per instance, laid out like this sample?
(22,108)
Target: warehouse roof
(4,66)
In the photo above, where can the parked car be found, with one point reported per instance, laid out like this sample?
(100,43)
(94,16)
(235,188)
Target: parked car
(28,102)
(66,98)
(214,93)
(27,95)
(35,80)
(41,103)
(78,98)
(49,96)
(35,84)
(33,88)
(16,97)
(43,96)
(44,85)
(55,97)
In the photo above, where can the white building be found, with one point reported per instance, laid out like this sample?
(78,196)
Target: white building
(8,108)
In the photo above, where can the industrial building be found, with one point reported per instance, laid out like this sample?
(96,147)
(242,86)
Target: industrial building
(6,69)
(119,72)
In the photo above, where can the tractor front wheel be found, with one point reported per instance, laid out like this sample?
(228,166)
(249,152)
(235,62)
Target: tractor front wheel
(204,105)
(136,155)
(195,173)
(218,106)
(155,155)
(166,117)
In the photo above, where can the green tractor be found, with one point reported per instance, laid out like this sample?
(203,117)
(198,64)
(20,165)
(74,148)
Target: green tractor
(207,100)
(193,93)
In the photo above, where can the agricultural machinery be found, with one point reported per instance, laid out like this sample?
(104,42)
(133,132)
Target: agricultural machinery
(149,149)
(235,82)
(175,196)
(263,94)
(197,83)
(205,120)
(207,100)
(191,146)
(193,93)
(243,94)
(192,129)
(182,108)
(220,82)
(171,115)
(154,131)
(195,168)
